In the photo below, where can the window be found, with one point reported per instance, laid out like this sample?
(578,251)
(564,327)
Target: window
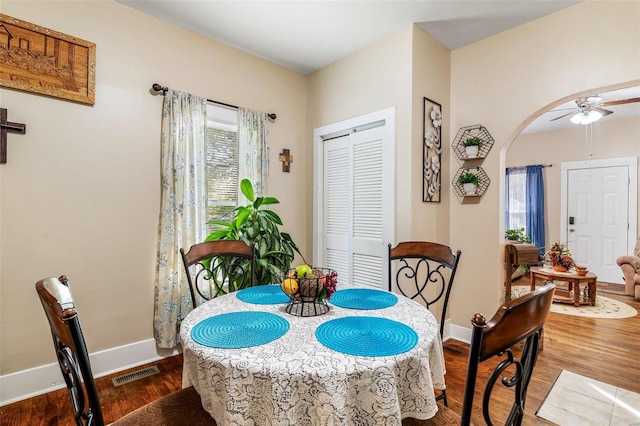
(516,198)
(525,202)
(221,153)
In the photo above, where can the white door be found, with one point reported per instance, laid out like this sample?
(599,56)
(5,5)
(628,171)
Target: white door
(353,217)
(597,218)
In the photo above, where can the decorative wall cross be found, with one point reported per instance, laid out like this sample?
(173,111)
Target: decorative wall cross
(8,127)
(286,159)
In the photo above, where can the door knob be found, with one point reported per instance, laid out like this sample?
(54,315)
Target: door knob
(571,230)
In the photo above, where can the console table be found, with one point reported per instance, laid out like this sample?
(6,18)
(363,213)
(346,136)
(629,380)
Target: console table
(588,297)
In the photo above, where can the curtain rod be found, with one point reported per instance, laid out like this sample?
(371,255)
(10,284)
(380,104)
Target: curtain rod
(158,88)
(522,167)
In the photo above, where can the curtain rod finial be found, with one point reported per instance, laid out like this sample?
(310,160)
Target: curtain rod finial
(158,88)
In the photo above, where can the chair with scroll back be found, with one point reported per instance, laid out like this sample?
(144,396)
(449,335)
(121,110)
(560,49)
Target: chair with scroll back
(219,267)
(424,272)
(517,321)
(181,407)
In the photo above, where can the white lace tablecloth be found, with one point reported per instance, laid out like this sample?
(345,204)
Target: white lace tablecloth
(295,380)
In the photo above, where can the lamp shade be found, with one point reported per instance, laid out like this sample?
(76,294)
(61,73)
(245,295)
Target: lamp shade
(586,117)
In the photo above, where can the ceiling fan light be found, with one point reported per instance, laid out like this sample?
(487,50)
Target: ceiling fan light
(577,118)
(594,115)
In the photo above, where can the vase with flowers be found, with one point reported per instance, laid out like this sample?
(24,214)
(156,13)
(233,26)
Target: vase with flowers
(560,257)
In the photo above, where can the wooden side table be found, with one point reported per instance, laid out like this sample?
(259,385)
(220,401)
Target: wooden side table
(573,279)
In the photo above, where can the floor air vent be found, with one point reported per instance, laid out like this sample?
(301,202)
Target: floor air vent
(136,375)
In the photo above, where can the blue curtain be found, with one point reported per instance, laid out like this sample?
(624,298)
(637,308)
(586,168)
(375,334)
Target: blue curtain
(535,206)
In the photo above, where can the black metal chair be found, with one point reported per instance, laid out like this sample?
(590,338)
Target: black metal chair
(424,271)
(219,267)
(519,321)
(181,407)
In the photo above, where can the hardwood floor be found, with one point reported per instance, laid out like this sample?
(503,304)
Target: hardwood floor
(607,350)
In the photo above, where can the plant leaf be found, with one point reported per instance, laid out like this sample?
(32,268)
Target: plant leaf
(270,200)
(218,235)
(257,203)
(272,215)
(247,189)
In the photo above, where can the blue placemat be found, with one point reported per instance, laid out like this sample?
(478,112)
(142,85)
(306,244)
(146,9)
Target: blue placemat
(367,336)
(239,329)
(263,295)
(363,298)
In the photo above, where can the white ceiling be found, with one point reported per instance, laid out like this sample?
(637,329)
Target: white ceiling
(306,35)
(626,111)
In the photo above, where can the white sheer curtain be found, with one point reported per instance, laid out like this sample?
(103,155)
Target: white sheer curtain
(253,153)
(516,198)
(183,208)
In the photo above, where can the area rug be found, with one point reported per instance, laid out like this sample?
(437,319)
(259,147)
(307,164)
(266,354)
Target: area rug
(578,400)
(605,306)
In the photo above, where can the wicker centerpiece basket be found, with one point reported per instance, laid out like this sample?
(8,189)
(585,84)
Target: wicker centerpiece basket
(309,289)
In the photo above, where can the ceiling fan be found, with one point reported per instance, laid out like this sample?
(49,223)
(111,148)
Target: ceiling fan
(588,110)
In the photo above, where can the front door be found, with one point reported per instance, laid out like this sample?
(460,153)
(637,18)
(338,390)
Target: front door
(597,218)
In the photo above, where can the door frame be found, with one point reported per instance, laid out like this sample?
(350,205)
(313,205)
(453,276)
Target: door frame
(632,164)
(389,202)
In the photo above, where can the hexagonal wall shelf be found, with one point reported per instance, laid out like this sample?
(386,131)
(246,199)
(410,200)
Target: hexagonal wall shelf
(483,183)
(477,131)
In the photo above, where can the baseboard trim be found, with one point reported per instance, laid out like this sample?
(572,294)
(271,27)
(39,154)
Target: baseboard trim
(459,333)
(46,378)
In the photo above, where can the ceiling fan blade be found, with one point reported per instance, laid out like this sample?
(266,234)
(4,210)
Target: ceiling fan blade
(621,102)
(602,111)
(563,115)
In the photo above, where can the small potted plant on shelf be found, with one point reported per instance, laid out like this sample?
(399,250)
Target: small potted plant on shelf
(470,182)
(560,257)
(472,146)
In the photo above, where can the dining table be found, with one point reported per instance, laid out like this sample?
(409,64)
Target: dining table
(373,358)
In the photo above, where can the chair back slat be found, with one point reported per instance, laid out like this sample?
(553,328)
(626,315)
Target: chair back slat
(215,268)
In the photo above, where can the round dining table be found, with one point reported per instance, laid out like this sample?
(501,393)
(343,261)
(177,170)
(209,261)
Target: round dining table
(373,359)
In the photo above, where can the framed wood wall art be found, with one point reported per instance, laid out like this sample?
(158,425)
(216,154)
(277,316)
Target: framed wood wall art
(39,60)
(431,151)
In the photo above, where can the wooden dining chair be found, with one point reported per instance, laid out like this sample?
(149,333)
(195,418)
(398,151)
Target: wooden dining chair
(424,271)
(215,268)
(514,333)
(181,407)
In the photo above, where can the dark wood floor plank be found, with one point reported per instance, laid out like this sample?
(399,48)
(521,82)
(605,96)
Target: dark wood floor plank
(607,350)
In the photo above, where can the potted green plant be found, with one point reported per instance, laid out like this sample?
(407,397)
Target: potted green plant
(470,182)
(259,227)
(472,146)
(517,235)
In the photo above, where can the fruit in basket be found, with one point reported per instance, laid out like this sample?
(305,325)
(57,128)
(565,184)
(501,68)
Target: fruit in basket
(303,271)
(290,286)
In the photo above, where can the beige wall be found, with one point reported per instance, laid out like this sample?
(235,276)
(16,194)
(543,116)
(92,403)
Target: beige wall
(607,139)
(501,82)
(396,72)
(80,192)
(431,79)
(372,79)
